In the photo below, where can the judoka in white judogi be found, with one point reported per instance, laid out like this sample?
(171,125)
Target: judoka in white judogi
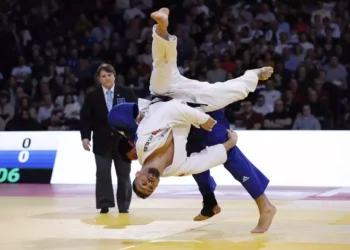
(162,118)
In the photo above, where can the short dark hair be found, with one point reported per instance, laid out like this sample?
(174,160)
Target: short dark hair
(106,67)
(137,192)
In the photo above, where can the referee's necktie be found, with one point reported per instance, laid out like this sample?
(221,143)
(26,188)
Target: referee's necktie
(109,100)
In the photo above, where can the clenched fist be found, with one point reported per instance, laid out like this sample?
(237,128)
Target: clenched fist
(209,124)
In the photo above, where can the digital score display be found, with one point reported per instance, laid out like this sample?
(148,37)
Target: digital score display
(26,159)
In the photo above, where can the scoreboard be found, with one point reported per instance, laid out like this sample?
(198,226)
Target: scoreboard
(27,157)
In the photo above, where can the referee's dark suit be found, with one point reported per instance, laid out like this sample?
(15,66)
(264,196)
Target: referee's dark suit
(105,143)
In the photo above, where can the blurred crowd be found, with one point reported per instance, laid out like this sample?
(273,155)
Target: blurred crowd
(50,51)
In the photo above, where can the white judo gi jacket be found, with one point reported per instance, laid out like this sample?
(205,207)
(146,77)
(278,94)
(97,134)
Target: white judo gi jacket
(163,117)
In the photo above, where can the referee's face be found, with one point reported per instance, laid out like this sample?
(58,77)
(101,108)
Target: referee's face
(107,79)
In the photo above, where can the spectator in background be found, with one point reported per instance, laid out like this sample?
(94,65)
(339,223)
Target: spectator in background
(56,121)
(7,111)
(249,119)
(265,14)
(67,90)
(216,74)
(45,109)
(305,44)
(336,73)
(319,109)
(71,107)
(291,62)
(297,92)
(261,107)
(45,51)
(279,119)
(26,122)
(22,72)
(133,12)
(290,106)
(103,31)
(270,93)
(146,57)
(25,104)
(306,121)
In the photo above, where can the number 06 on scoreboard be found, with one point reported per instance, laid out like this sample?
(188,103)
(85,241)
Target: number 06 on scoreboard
(11,176)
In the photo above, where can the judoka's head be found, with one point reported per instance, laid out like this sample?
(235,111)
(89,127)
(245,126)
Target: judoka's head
(145,182)
(106,75)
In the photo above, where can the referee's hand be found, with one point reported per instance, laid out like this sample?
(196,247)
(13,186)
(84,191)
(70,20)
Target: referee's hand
(86,144)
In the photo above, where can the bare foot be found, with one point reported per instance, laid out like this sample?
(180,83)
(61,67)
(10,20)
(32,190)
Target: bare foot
(199,217)
(265,220)
(161,16)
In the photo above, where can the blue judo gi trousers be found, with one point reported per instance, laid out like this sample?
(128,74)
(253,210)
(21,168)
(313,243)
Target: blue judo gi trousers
(251,178)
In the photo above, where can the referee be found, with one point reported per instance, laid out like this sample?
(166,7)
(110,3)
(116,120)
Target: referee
(107,144)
